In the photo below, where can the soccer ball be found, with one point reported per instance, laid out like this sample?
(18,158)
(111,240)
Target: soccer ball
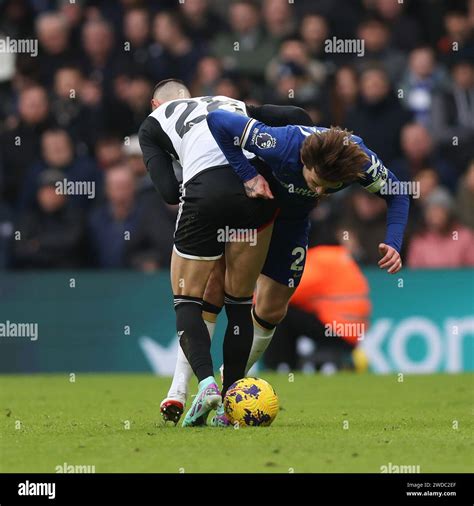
(251,402)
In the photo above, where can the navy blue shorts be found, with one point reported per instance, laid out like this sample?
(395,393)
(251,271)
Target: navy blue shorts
(287,253)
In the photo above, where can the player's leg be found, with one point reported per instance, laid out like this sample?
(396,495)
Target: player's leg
(243,265)
(214,296)
(218,204)
(271,301)
(271,305)
(172,406)
(280,277)
(196,251)
(189,278)
(281,349)
(244,261)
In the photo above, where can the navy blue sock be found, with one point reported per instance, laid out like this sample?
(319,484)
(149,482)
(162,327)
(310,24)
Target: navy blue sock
(238,338)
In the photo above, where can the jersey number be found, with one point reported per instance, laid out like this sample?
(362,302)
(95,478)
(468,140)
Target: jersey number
(182,127)
(295,266)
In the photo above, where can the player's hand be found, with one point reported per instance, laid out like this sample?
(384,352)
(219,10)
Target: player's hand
(258,187)
(390,259)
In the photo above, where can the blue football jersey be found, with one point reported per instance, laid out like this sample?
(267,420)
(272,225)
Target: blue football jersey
(280,148)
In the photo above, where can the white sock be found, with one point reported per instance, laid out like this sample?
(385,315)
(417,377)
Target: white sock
(261,339)
(183,371)
(211,326)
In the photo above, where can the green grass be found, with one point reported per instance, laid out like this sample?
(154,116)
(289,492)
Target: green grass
(82,423)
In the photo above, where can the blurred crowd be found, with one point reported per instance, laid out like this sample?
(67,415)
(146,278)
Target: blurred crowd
(71,115)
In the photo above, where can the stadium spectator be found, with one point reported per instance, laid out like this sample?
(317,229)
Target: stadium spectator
(458,41)
(208,74)
(136,33)
(52,235)
(245,47)
(228,86)
(442,242)
(98,62)
(129,232)
(423,78)
(292,86)
(108,151)
(465,197)
(111,224)
(16,18)
(344,94)
(73,13)
(419,152)
(297,78)
(377,51)
(67,83)
(362,226)
(151,244)
(83,121)
(314,31)
(200,20)
(427,180)
(134,159)
(278,19)
(91,96)
(126,114)
(405,33)
(178,56)
(57,151)
(20,146)
(452,114)
(56,51)
(378,116)
(138,100)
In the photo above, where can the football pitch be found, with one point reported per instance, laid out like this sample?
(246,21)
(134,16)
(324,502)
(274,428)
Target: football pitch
(342,423)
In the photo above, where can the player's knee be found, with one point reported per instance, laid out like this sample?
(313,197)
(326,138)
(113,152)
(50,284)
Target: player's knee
(235,287)
(272,314)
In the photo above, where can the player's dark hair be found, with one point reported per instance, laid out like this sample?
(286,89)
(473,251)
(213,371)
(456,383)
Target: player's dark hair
(333,156)
(166,81)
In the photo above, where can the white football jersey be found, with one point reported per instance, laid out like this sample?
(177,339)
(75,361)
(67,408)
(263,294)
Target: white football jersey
(184,122)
